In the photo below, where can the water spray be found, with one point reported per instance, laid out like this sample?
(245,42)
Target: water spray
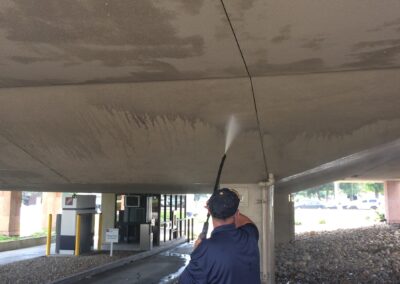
(231,132)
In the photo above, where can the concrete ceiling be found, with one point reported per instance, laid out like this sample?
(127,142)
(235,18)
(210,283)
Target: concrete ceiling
(135,95)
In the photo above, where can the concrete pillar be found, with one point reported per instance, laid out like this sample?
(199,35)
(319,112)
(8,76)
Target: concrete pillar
(284,218)
(392,202)
(10,208)
(108,211)
(51,204)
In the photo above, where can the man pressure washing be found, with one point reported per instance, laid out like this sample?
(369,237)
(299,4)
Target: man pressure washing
(231,254)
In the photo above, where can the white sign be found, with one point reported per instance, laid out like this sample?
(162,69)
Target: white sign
(111,235)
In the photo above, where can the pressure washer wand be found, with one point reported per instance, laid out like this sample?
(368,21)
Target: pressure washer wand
(204,231)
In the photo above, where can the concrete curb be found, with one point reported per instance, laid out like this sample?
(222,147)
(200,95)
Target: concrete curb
(118,263)
(23,243)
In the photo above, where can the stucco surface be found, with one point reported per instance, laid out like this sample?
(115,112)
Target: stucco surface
(135,95)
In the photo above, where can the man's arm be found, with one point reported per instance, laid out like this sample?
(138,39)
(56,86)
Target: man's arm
(195,271)
(241,220)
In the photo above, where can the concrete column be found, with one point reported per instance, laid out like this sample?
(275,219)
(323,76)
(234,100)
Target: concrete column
(108,211)
(10,208)
(284,218)
(51,204)
(392,202)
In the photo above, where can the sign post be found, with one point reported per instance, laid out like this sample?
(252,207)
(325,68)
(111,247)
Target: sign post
(111,237)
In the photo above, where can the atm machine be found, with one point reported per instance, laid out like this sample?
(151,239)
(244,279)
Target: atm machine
(72,205)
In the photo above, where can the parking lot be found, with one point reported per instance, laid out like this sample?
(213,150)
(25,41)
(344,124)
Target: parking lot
(331,219)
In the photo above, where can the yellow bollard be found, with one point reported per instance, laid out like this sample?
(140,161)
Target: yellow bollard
(100,233)
(78,235)
(48,242)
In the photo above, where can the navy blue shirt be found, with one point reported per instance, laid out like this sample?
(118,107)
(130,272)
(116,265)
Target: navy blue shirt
(230,255)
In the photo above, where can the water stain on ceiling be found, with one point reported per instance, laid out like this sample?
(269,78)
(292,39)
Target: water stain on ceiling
(97,30)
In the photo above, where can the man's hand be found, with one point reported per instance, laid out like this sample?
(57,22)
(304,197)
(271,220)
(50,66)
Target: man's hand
(197,243)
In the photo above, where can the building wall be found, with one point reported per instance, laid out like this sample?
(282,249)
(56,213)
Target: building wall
(51,204)
(10,205)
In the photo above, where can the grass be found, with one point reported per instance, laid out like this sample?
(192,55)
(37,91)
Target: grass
(7,238)
(322,222)
(4,238)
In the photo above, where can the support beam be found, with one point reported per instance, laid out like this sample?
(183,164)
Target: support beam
(392,202)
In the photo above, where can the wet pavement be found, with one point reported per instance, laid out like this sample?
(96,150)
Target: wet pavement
(161,268)
(23,254)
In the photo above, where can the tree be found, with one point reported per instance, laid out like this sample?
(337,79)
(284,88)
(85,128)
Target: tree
(377,188)
(321,191)
(351,189)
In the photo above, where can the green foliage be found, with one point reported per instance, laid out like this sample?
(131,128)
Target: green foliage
(377,188)
(380,216)
(39,234)
(351,189)
(7,238)
(322,222)
(34,235)
(322,191)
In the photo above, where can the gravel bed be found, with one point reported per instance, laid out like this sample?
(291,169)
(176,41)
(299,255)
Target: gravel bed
(48,269)
(364,255)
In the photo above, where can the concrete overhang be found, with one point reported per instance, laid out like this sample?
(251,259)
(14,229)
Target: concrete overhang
(133,95)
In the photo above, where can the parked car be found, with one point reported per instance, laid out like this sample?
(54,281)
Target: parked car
(354,204)
(371,203)
(332,204)
(310,204)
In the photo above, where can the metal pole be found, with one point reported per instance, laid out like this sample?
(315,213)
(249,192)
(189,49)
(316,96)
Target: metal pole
(165,218)
(271,230)
(188,229)
(78,235)
(58,232)
(100,232)
(158,223)
(192,229)
(185,215)
(268,231)
(180,215)
(271,243)
(170,216)
(48,243)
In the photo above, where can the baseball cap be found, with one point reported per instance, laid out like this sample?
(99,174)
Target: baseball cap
(223,203)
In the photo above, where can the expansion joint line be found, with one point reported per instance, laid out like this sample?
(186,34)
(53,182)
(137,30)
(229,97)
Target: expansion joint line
(251,86)
(36,159)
